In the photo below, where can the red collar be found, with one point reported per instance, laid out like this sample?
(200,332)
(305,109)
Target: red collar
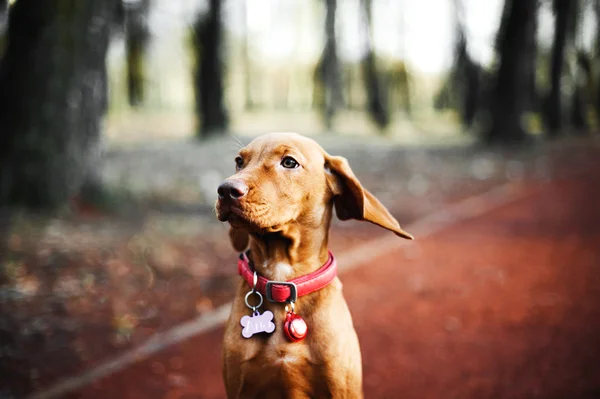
(286,291)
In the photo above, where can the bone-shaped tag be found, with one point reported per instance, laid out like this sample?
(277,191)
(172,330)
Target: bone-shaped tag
(257,323)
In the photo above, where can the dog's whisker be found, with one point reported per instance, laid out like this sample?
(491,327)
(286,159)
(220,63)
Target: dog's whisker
(235,143)
(238,142)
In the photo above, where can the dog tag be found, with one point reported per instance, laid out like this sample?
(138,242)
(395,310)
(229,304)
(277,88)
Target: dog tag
(294,327)
(257,323)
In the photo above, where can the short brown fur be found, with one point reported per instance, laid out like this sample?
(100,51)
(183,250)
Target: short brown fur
(284,216)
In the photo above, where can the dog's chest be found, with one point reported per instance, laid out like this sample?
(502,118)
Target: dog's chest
(271,368)
(277,350)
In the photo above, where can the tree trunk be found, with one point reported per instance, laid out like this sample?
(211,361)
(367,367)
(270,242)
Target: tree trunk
(581,78)
(530,66)
(401,72)
(399,88)
(376,98)
(210,108)
(471,95)
(136,41)
(249,98)
(3,25)
(3,15)
(597,60)
(466,75)
(563,39)
(578,108)
(510,89)
(328,68)
(53,94)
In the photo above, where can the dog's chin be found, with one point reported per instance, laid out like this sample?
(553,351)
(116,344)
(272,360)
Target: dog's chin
(238,221)
(242,221)
(238,218)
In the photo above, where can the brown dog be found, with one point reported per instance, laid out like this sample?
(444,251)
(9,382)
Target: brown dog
(280,202)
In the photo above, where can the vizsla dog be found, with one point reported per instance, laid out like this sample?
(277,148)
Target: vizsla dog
(299,342)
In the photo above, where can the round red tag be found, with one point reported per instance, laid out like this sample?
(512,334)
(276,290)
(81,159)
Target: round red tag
(295,327)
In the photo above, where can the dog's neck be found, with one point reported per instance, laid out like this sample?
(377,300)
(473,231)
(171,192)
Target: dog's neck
(294,250)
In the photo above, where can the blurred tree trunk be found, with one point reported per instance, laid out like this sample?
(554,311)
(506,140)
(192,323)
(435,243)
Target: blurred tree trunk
(581,75)
(468,80)
(510,91)
(596,89)
(328,68)
(210,107)
(249,100)
(401,75)
(467,74)
(3,15)
(564,14)
(376,99)
(585,66)
(530,65)
(136,41)
(578,110)
(53,94)
(350,75)
(462,88)
(3,24)
(471,75)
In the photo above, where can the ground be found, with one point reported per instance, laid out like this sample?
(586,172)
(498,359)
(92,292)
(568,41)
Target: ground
(501,303)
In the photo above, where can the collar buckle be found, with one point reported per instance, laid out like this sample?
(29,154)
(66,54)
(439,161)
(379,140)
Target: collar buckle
(293,290)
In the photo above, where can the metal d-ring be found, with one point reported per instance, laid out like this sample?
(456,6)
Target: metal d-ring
(260,300)
(253,291)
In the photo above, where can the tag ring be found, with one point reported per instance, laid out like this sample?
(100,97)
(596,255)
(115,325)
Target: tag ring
(291,304)
(260,300)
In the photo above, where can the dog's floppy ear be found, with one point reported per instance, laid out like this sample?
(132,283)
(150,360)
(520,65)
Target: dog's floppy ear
(239,239)
(352,201)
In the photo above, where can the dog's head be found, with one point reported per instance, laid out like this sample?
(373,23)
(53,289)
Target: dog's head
(285,179)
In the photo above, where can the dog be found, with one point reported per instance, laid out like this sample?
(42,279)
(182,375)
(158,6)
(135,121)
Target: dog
(279,204)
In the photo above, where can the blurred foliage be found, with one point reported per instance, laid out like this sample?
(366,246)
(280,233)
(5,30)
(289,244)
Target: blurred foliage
(343,66)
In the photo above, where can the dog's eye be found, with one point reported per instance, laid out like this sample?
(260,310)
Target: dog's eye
(239,162)
(289,163)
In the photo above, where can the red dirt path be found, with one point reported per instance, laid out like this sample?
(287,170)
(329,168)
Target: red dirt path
(503,306)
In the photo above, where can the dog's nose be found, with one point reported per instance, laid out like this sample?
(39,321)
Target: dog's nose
(234,189)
